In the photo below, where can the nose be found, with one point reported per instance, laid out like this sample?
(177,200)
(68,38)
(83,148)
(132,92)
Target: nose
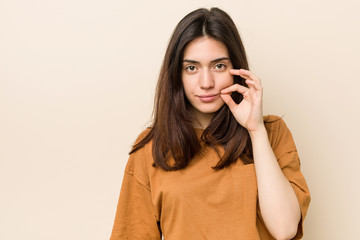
(206,80)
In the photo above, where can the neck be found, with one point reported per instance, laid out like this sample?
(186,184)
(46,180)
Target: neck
(202,120)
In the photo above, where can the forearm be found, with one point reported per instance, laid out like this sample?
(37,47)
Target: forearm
(278,202)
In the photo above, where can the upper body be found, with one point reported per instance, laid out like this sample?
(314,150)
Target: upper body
(199,202)
(210,167)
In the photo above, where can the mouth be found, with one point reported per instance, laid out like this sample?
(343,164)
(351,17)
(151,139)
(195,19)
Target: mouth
(208,97)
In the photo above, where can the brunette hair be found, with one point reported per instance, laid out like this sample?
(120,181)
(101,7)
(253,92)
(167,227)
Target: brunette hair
(172,133)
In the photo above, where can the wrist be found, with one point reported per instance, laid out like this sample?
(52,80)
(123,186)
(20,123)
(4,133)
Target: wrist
(259,131)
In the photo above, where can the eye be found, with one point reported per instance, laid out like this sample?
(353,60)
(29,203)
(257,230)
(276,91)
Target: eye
(220,66)
(191,68)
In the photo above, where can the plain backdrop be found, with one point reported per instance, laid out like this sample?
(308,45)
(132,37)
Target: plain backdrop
(77,81)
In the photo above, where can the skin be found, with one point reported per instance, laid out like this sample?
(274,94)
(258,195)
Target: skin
(204,75)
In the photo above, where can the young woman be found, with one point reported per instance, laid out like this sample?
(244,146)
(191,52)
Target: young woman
(211,166)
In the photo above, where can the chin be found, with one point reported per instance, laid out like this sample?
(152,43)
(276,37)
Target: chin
(209,109)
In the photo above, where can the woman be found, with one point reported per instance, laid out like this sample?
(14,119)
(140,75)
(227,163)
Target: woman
(211,166)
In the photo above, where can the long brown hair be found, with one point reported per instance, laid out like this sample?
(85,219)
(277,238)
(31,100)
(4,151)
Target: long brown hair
(172,132)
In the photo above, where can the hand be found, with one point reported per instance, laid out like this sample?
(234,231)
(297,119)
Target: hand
(248,112)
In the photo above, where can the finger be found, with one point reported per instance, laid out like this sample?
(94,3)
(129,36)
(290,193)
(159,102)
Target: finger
(235,88)
(235,71)
(254,84)
(229,101)
(245,74)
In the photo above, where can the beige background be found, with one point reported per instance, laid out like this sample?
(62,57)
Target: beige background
(77,82)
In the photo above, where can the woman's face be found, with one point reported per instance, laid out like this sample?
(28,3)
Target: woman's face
(205,72)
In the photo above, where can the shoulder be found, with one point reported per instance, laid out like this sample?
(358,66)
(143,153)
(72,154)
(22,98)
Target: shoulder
(140,160)
(279,134)
(142,135)
(274,124)
(271,119)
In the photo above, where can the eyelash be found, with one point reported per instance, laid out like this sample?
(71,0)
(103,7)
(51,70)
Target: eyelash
(221,65)
(188,68)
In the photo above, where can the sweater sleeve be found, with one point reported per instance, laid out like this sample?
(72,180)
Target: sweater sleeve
(135,217)
(286,153)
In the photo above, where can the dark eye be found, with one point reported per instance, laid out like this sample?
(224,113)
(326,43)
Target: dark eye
(191,68)
(220,66)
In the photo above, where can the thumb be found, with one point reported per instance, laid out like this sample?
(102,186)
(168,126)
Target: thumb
(229,101)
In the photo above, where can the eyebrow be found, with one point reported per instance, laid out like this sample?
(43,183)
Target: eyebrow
(212,61)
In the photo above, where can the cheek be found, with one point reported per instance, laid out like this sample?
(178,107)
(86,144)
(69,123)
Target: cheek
(188,84)
(226,80)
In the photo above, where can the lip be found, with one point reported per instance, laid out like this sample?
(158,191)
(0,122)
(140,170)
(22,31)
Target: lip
(208,97)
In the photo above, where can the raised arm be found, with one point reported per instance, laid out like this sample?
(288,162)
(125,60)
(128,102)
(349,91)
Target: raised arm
(277,199)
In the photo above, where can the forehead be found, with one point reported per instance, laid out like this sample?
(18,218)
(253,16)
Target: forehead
(205,49)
